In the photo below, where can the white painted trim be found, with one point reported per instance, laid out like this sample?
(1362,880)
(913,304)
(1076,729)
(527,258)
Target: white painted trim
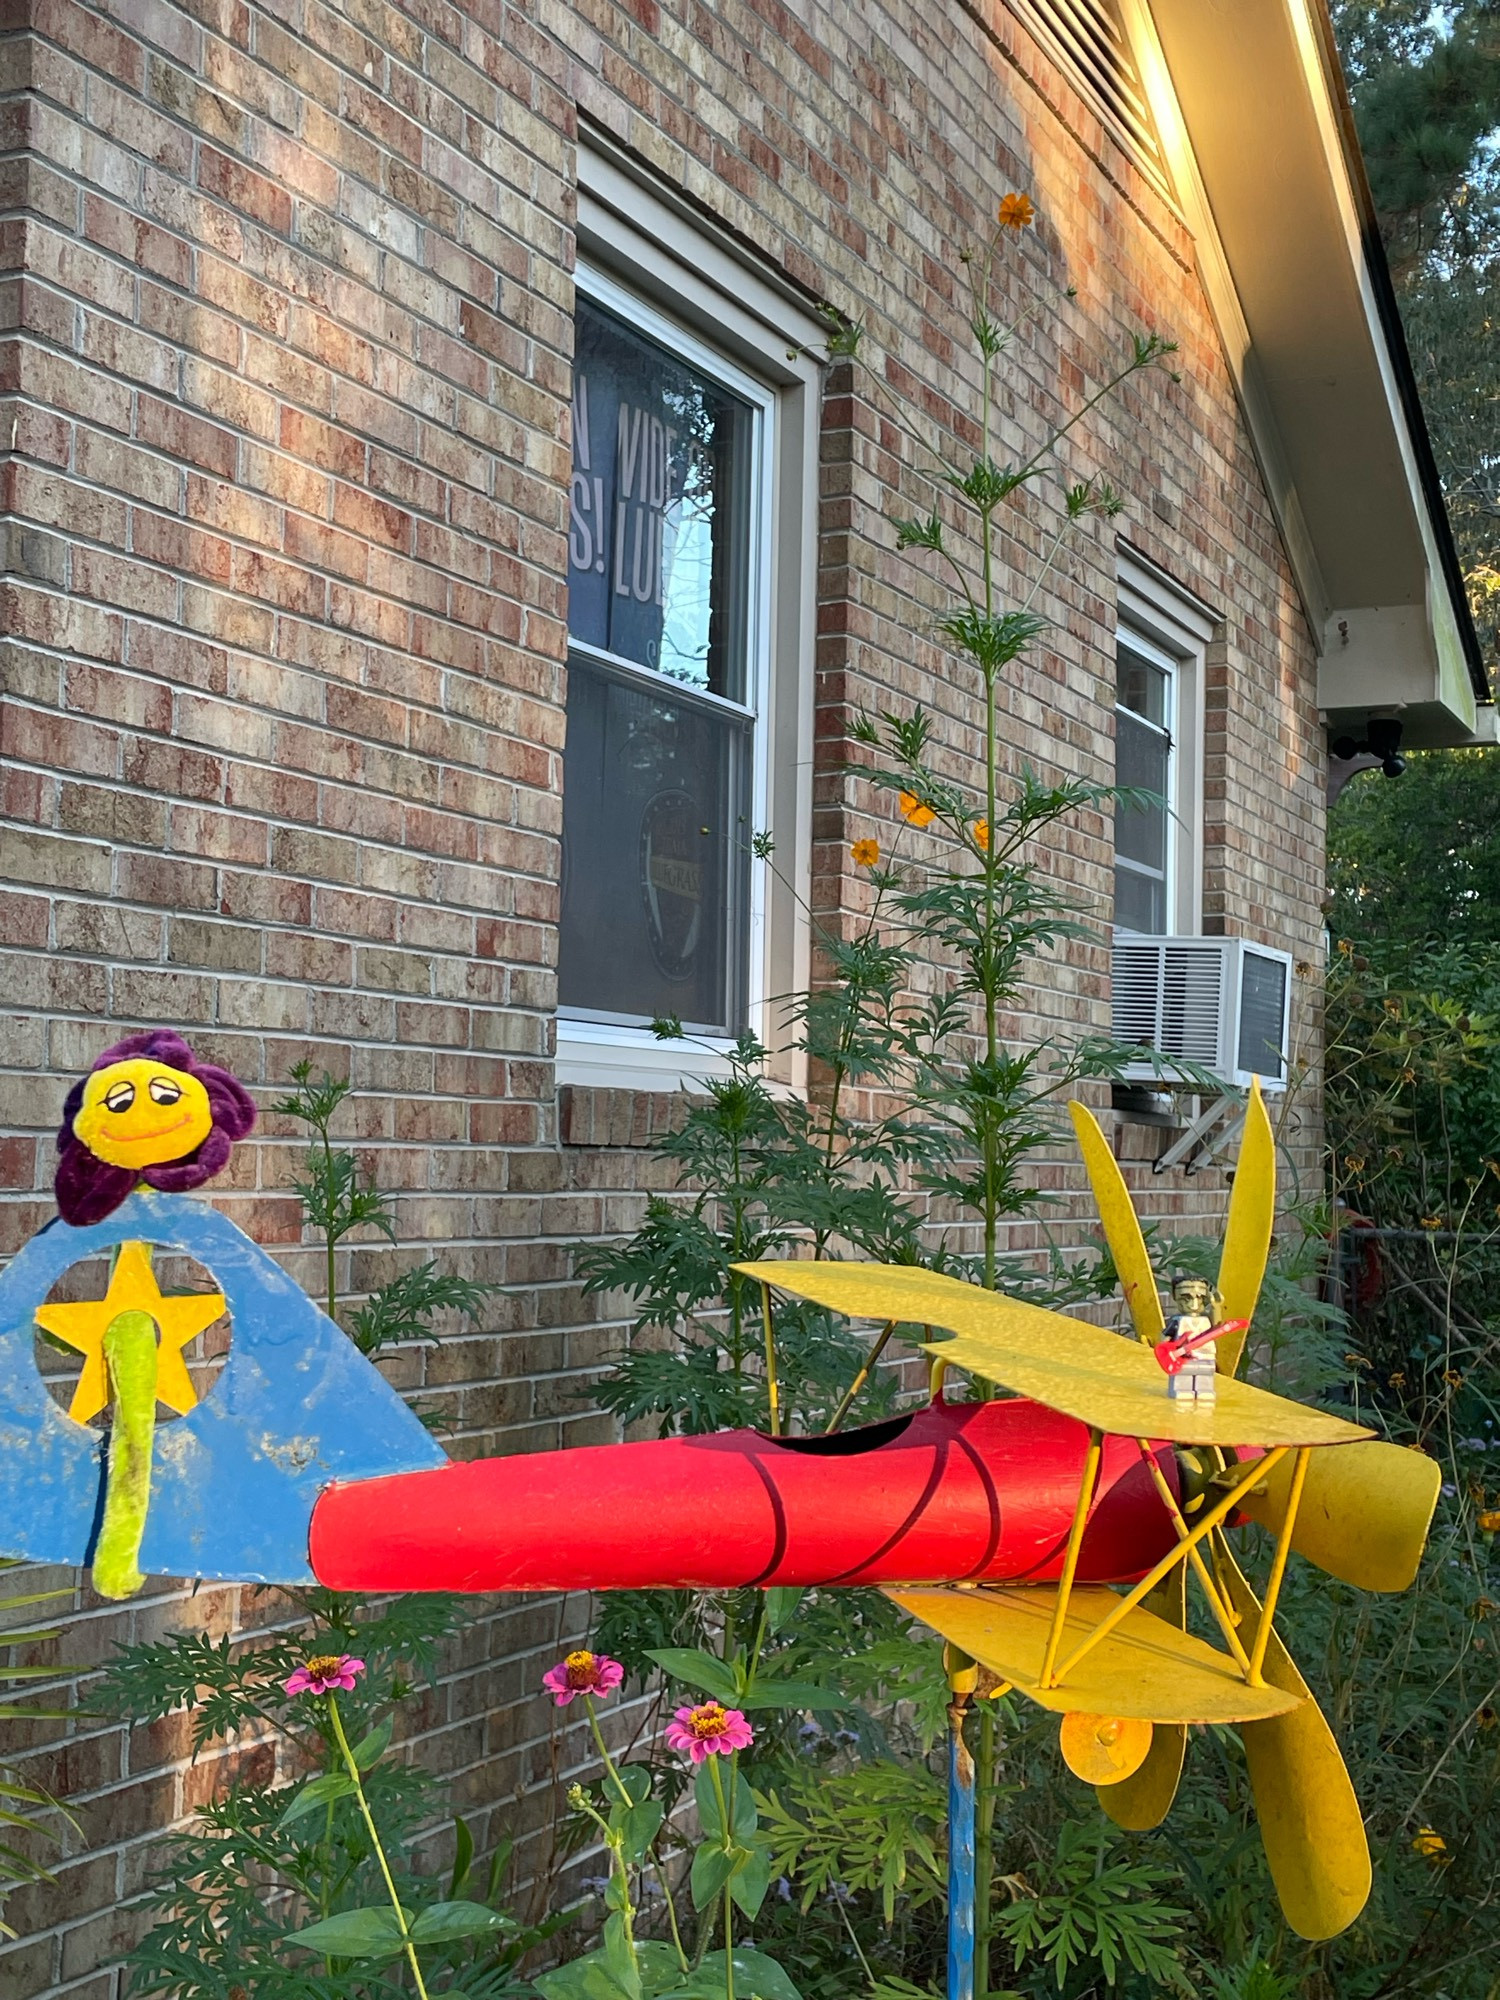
(1224,305)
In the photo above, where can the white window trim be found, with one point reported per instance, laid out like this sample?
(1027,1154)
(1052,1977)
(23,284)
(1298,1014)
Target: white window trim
(642,255)
(1173,630)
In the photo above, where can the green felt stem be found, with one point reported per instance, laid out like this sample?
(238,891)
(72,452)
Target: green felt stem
(130,1357)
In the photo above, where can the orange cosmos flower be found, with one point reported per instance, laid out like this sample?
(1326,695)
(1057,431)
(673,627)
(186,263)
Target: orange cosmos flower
(866,852)
(1016,212)
(916,810)
(981,832)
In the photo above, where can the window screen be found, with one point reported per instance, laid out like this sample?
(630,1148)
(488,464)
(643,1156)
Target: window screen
(657,769)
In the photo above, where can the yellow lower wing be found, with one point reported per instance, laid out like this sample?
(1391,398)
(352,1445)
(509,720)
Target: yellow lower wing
(1145,1667)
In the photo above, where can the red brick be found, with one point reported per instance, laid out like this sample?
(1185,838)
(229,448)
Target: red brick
(243,190)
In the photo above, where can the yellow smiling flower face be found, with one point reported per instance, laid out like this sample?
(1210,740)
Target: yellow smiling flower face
(140,1113)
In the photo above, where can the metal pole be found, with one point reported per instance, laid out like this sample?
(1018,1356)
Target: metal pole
(963,1678)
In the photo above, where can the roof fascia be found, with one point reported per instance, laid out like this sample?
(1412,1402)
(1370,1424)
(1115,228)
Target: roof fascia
(1349,473)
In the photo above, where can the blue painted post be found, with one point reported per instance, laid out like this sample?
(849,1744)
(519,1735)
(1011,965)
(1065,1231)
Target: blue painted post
(960,1839)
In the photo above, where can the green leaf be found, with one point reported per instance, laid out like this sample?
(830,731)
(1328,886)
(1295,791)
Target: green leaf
(635,1781)
(781,1602)
(584,1979)
(713,1865)
(637,1827)
(743,1816)
(463,1856)
(748,1887)
(619,1957)
(588,1978)
(756,1977)
(441,1923)
(315,1793)
(369,1933)
(791,1694)
(696,1669)
(707,1796)
(370,1749)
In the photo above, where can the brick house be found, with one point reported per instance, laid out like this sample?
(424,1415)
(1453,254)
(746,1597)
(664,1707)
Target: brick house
(412,409)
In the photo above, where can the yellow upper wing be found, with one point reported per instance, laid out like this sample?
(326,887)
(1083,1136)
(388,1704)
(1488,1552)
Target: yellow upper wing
(1114,1384)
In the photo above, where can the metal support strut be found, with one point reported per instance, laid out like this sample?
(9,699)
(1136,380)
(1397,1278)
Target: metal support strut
(963,1678)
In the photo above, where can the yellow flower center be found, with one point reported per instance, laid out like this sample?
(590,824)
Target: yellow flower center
(709,1720)
(580,1666)
(325,1665)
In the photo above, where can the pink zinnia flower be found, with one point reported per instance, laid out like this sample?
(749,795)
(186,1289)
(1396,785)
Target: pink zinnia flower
(582,1672)
(709,1730)
(325,1673)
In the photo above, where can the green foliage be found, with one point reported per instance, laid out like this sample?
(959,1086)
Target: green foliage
(22,1805)
(277,1890)
(875,1827)
(1098,1909)
(404,1307)
(1414,862)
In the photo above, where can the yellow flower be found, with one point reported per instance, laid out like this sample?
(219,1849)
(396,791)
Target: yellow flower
(981,832)
(916,810)
(1431,1845)
(866,852)
(1489,1521)
(1016,212)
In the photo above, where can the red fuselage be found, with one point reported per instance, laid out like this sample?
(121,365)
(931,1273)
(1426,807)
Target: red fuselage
(954,1492)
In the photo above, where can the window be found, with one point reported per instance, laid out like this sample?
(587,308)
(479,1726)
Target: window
(692,566)
(659,793)
(1160,647)
(1145,723)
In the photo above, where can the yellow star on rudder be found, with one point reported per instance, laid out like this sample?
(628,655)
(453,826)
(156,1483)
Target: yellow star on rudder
(132,1288)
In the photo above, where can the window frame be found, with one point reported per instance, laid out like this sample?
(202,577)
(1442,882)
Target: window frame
(646,256)
(640,316)
(1172,630)
(1129,638)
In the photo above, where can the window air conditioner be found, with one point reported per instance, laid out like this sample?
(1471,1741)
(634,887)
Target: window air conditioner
(1222,1003)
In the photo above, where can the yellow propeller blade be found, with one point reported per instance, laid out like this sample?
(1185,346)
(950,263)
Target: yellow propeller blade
(1365,1511)
(1144,1799)
(1122,1229)
(1310,1821)
(1247,1231)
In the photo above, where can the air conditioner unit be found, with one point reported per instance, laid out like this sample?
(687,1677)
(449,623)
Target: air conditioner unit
(1222,1003)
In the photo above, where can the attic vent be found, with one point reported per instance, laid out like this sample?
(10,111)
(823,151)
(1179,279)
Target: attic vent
(1086,37)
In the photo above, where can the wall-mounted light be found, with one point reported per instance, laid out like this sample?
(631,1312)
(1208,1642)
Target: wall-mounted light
(1382,740)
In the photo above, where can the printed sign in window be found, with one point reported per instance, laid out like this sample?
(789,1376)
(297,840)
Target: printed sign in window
(656,530)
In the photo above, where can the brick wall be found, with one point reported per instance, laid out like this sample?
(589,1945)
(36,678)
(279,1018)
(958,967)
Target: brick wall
(284,340)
